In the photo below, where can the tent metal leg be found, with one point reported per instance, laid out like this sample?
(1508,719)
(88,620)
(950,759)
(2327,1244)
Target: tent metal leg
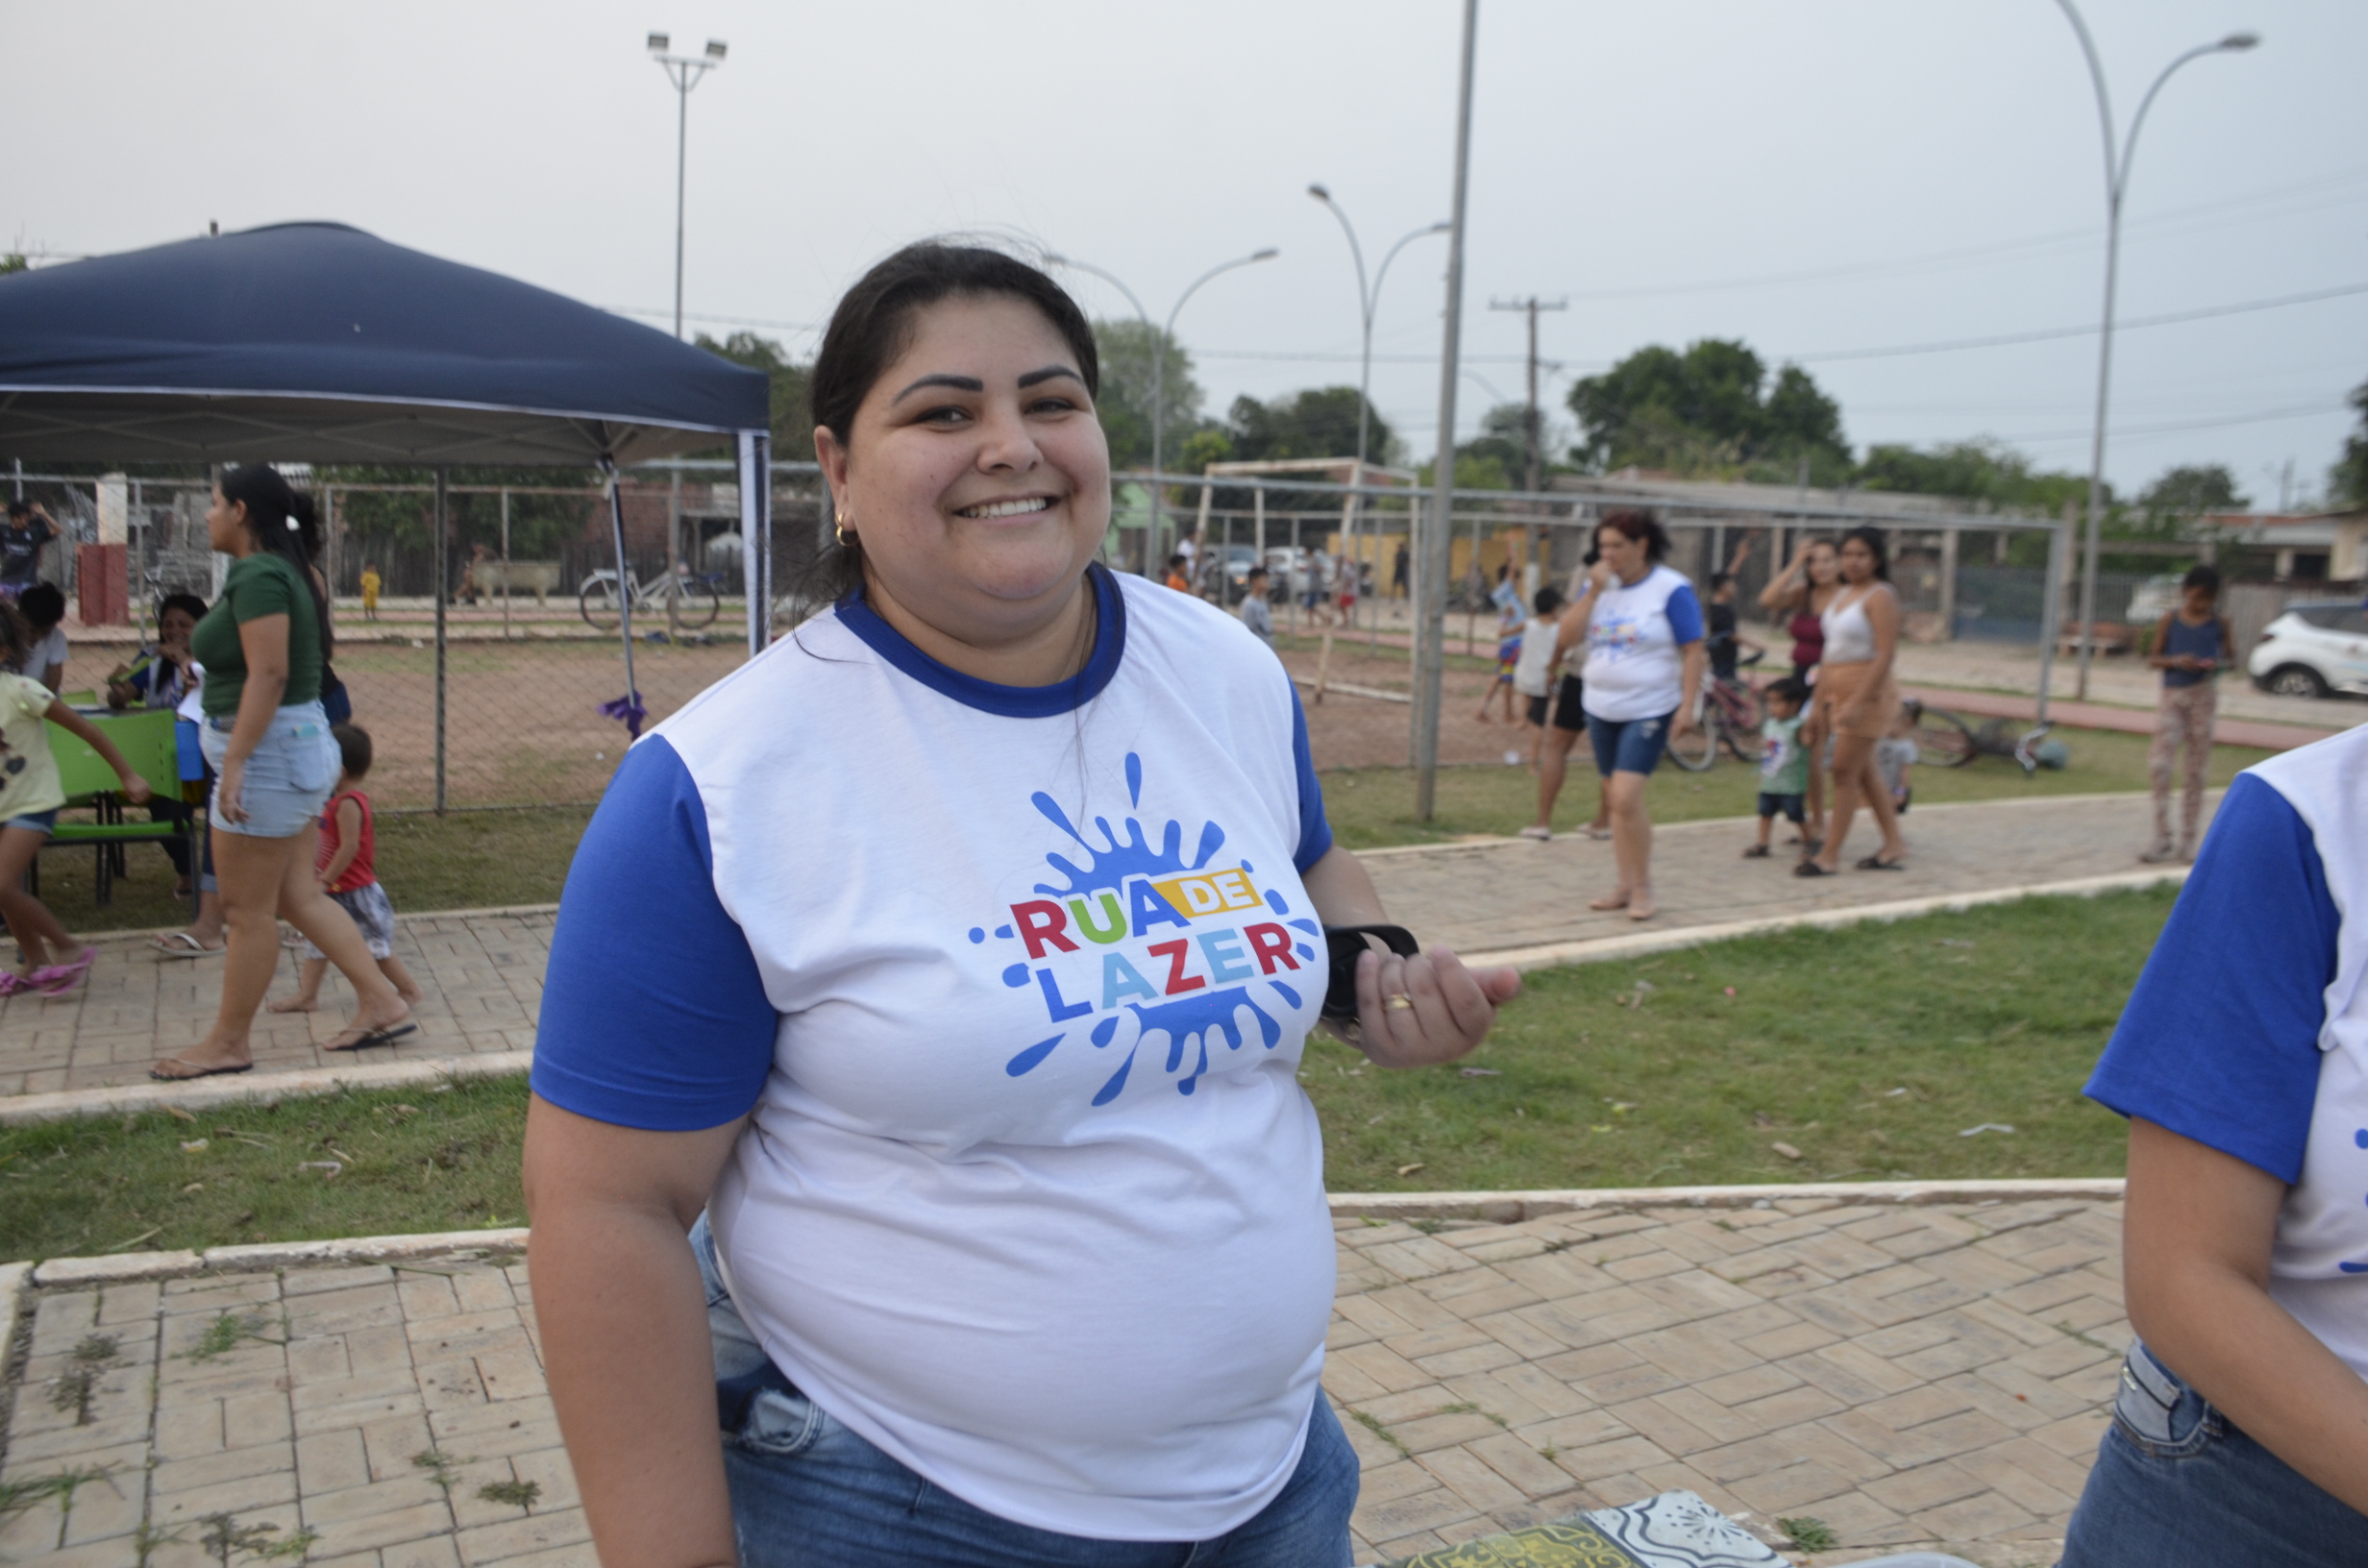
(443,591)
(625,585)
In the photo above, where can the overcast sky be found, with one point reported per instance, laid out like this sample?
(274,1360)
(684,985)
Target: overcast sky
(1812,176)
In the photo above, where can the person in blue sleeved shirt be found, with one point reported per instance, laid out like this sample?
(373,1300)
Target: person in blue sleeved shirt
(2240,1429)
(915,1089)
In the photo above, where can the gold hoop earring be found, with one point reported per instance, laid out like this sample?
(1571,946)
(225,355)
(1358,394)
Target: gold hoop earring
(847,540)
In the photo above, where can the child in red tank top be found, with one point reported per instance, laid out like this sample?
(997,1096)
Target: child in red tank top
(347,870)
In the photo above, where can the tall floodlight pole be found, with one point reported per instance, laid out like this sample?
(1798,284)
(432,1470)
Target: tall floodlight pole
(684,71)
(1159,368)
(2116,185)
(1438,523)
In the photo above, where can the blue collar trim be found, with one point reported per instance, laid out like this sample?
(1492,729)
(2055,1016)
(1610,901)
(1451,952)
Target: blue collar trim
(987,696)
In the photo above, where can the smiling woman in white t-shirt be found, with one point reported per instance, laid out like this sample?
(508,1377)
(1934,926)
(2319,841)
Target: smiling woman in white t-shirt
(955,957)
(1641,622)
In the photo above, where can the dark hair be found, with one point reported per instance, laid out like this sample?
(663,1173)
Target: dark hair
(20,508)
(1253,572)
(15,637)
(43,605)
(282,520)
(873,322)
(1177,559)
(1636,524)
(352,748)
(1872,539)
(189,604)
(1792,688)
(1719,580)
(1548,600)
(2202,576)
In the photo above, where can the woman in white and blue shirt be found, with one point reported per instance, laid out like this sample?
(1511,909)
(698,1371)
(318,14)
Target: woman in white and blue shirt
(2240,1432)
(1642,624)
(954,958)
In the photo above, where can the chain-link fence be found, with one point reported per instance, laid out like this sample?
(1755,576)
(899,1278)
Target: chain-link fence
(525,648)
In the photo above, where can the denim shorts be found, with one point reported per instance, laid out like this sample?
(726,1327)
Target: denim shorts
(2176,1486)
(288,776)
(44,823)
(1791,808)
(1628,746)
(806,1492)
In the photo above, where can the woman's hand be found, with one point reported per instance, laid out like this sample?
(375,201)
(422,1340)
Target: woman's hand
(1682,724)
(1849,717)
(1421,1011)
(228,784)
(134,788)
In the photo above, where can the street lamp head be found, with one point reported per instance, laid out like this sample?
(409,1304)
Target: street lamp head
(659,42)
(1267,254)
(1439,227)
(2240,42)
(1320,193)
(715,50)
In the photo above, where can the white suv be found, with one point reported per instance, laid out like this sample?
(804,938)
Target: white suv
(2311,651)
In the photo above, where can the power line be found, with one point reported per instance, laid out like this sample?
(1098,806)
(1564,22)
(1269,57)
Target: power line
(2264,417)
(1828,355)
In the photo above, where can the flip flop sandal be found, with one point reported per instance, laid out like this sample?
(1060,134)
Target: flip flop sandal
(1874,862)
(59,979)
(163,1077)
(375,1037)
(1758,851)
(1810,868)
(182,945)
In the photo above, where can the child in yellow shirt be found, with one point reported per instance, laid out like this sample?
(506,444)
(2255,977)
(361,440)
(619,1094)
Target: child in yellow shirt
(369,592)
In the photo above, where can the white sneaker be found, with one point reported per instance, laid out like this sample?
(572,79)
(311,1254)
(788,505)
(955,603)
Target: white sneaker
(1540,834)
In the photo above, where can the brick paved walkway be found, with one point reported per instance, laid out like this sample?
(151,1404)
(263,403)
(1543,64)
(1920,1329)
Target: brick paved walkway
(484,972)
(1929,1374)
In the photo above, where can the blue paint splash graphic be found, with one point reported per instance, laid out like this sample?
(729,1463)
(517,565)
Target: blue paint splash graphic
(1110,863)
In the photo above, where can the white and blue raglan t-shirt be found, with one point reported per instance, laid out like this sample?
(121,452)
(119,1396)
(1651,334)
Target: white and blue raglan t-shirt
(1016,982)
(2247,1031)
(1634,640)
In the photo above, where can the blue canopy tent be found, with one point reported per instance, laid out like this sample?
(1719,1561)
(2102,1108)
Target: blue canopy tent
(315,342)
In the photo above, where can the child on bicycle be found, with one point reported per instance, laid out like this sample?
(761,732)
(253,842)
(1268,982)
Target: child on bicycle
(347,870)
(1783,762)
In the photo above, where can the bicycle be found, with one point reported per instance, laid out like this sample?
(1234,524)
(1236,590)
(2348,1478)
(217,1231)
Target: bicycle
(1726,712)
(696,597)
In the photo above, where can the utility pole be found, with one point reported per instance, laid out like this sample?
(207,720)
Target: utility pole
(1534,475)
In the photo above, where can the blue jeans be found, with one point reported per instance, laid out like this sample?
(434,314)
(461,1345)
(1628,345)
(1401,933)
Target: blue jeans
(1628,746)
(806,1492)
(2177,1486)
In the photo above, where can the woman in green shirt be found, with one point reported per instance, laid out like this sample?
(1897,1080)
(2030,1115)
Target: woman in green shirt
(263,648)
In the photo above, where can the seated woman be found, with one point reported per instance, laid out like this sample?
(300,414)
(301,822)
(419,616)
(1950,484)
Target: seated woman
(939,1136)
(2240,1433)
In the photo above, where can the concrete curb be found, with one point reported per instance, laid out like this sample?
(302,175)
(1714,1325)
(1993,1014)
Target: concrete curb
(17,1280)
(1551,955)
(1513,1208)
(490,911)
(264,1089)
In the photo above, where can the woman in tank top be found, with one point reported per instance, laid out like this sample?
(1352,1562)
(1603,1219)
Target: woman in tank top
(1799,595)
(1857,700)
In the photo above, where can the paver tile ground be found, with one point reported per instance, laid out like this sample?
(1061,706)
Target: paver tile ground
(1909,1375)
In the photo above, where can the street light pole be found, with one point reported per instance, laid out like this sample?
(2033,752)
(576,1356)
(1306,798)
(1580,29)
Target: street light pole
(1431,626)
(1368,303)
(684,71)
(2116,187)
(1159,368)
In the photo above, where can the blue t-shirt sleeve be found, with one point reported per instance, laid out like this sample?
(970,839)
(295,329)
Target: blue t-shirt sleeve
(654,1013)
(1314,831)
(2220,1041)
(1684,613)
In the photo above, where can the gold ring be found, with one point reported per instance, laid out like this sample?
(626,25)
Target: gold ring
(1401,1002)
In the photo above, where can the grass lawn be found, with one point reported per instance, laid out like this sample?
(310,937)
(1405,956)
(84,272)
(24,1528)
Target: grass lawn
(468,860)
(1992,1016)
(1372,807)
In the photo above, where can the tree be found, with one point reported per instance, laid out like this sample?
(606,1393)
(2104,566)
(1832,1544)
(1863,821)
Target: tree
(2347,482)
(1503,440)
(1707,411)
(1319,422)
(793,424)
(1128,351)
(1981,470)
(2171,504)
